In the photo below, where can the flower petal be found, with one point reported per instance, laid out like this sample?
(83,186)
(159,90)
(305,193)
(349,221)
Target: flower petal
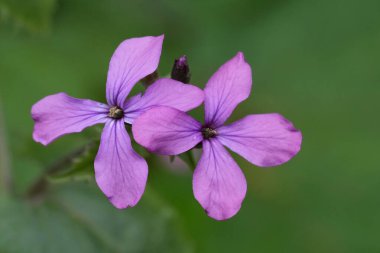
(264,139)
(133,60)
(229,86)
(165,92)
(218,183)
(120,172)
(166,131)
(60,114)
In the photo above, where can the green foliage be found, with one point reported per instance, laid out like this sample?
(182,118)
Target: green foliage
(77,219)
(5,170)
(33,15)
(188,158)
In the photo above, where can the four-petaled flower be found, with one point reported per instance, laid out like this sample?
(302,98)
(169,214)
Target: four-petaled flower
(264,140)
(120,172)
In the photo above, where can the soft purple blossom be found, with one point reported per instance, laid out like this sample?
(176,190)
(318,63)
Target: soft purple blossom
(120,172)
(264,140)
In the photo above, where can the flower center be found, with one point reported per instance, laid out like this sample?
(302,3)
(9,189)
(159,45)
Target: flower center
(208,132)
(116,112)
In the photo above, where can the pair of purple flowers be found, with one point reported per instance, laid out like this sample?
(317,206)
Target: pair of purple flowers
(160,124)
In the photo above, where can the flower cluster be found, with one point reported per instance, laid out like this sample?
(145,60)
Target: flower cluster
(161,125)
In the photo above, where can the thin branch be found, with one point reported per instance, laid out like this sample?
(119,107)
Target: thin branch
(41,185)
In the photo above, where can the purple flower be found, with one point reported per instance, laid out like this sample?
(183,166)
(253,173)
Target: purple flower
(264,140)
(120,172)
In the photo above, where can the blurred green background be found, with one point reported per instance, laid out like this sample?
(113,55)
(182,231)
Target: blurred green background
(315,62)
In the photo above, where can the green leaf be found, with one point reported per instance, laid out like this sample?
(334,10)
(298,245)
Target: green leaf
(34,15)
(77,218)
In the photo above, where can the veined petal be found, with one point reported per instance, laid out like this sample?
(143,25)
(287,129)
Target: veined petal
(120,172)
(218,183)
(60,114)
(133,60)
(229,86)
(264,139)
(164,92)
(166,131)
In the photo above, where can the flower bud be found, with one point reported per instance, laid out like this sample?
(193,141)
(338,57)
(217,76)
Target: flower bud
(181,70)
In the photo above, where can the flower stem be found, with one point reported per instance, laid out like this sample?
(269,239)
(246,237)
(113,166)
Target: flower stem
(41,185)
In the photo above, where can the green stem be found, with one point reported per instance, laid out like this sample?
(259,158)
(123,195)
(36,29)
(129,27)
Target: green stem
(41,185)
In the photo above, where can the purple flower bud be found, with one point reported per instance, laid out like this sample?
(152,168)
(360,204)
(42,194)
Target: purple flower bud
(181,70)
